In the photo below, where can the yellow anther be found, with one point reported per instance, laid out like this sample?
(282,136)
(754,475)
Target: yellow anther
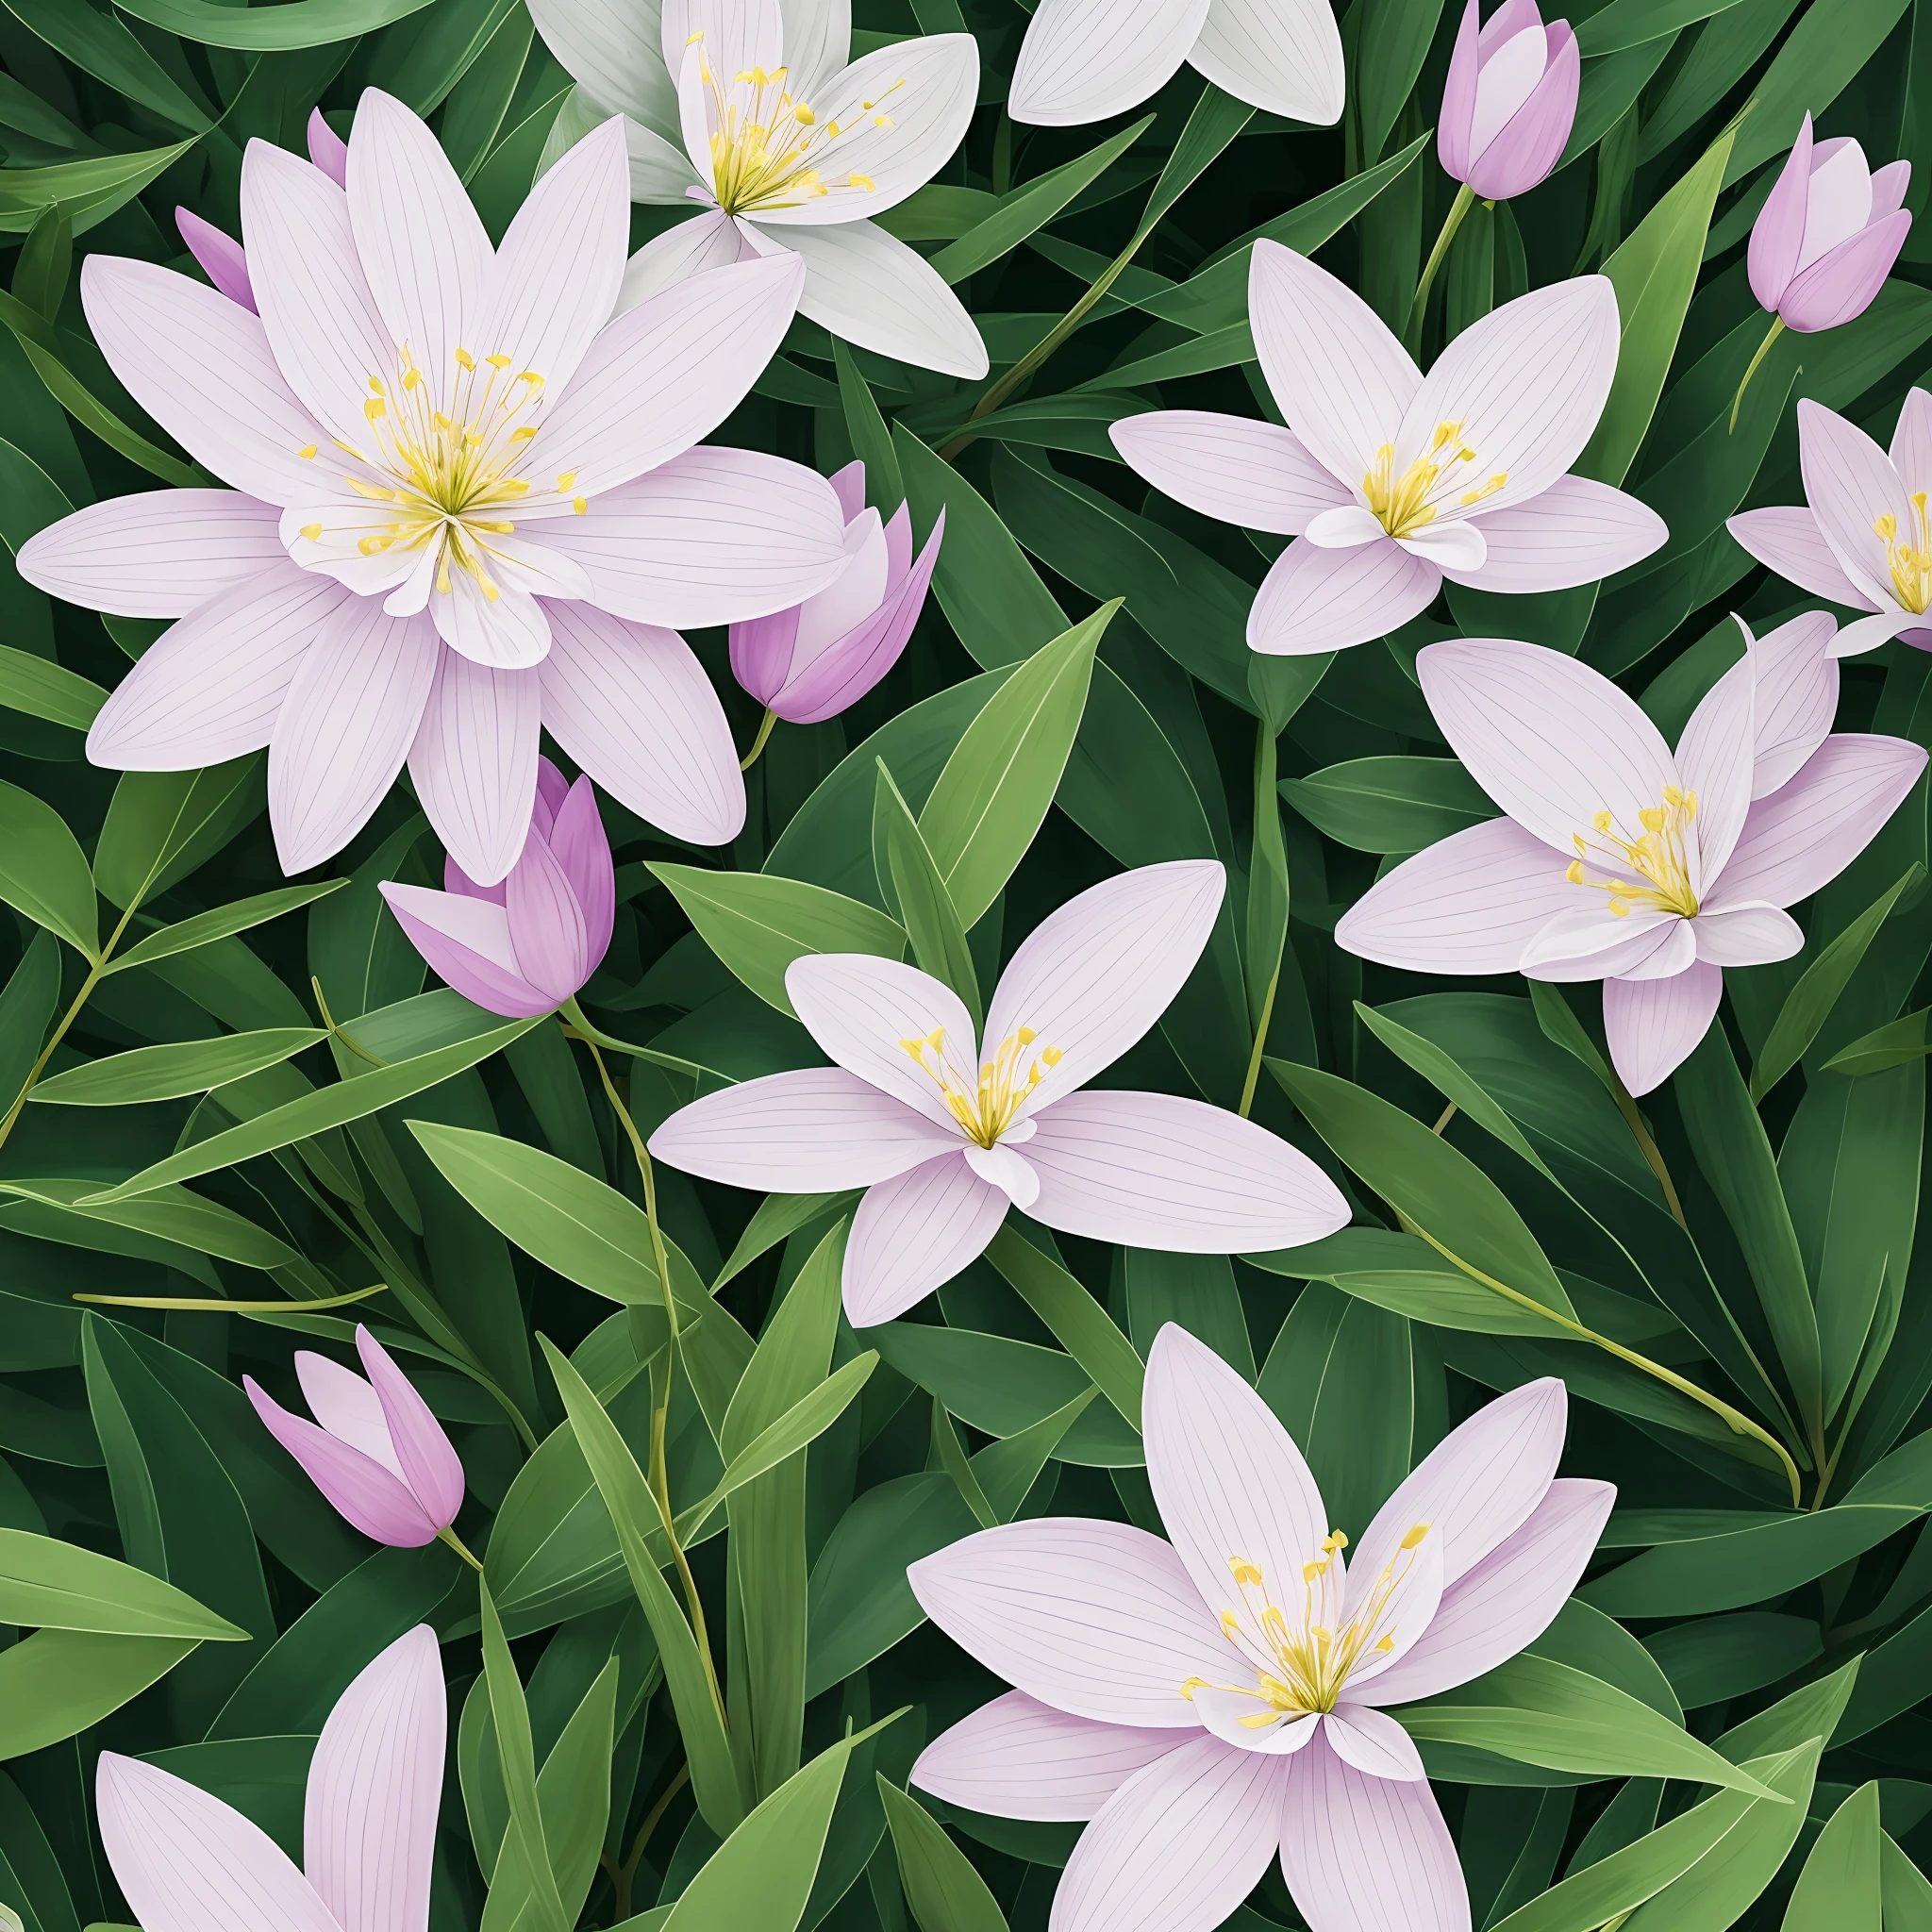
(1387,1644)
(1311,1571)
(1405,504)
(1190,1685)
(883,121)
(466,358)
(1660,856)
(313,531)
(864,181)
(1911,563)
(1335,1540)
(803,114)
(1244,1571)
(1413,1539)
(499,360)
(412,377)
(1574,871)
(1599,822)
(1230,1625)
(373,408)
(305,452)
(580,504)
(565,478)
(1052,1056)
(523,434)
(833,129)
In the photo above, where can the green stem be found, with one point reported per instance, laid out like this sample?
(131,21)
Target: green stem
(448,1536)
(1465,200)
(216,1305)
(1653,1155)
(1771,335)
(757,744)
(1254,1073)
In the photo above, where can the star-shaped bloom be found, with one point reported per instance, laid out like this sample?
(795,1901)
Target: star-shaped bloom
(463,502)
(1864,538)
(1620,860)
(749,109)
(1213,1700)
(944,1133)
(1393,480)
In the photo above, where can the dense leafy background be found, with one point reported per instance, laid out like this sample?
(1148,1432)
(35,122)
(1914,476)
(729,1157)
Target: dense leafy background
(481,1178)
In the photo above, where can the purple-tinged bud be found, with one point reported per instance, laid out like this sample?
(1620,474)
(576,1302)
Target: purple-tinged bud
(222,258)
(1510,101)
(329,150)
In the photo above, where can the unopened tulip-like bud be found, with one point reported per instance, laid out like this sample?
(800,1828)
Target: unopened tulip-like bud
(810,661)
(373,1450)
(525,945)
(1824,240)
(1509,99)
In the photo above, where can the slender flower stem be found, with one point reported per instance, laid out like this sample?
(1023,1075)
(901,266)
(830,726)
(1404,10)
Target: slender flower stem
(1254,1073)
(1772,334)
(456,1543)
(623,1876)
(1465,200)
(1444,1118)
(758,744)
(1652,1153)
(214,1304)
(360,1052)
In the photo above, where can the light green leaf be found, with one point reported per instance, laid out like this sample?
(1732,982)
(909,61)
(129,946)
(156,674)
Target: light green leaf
(274,29)
(1839,1889)
(44,873)
(45,1584)
(223,922)
(42,688)
(945,1890)
(56,1683)
(1080,1324)
(923,903)
(166,1073)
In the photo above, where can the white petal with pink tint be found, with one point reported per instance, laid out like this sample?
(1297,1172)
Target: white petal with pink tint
(1314,600)
(1574,532)
(348,1407)
(1373,1743)
(1716,759)
(872,289)
(474,762)
(1789,541)
(1796,698)
(1231,467)
(1589,940)
(1005,1169)
(1282,55)
(1159,1171)
(1746,935)
(161,553)
(708,240)
(1850,485)
(1095,1618)
(1449,545)
(916,1232)
(1087,59)
(1652,1025)
(1018,1757)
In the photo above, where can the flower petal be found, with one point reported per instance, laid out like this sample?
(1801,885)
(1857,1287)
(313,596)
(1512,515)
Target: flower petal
(358,1487)
(1178,1846)
(1006,1169)
(346,726)
(814,1131)
(209,688)
(1912,440)
(1778,235)
(1093,975)
(1838,198)
(1094,1618)
(1017,1757)
(1813,827)
(1551,741)
(1523,387)
(222,258)
(375,1787)
(737,33)
(1157,1171)
(160,553)
(1747,935)
(200,366)
(347,1405)
(1281,56)
(466,941)
(1507,1600)
(1088,59)
(430,1464)
(708,240)
(1347,527)
(871,288)
(1227,1713)
(1850,484)
(187,1862)
(1470,904)
(1574,532)
(1716,757)
(631,704)
(1341,379)
(547,931)
(1590,941)
(507,632)
(1789,541)
(613,50)
(1449,545)
(1314,600)
(1846,282)
(1373,1743)
(421,243)
(474,762)
(1231,467)
(1653,1025)
(1532,142)
(1360,1851)
(710,537)
(1231,1486)
(657,378)
(583,849)
(1796,699)
(914,1232)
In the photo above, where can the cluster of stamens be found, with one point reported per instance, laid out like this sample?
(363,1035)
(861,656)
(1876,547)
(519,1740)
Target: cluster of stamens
(1004,1081)
(1403,504)
(770,151)
(452,467)
(1658,856)
(1910,563)
(1306,1664)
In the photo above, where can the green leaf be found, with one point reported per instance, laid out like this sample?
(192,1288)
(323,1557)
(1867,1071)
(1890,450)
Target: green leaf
(1654,273)
(204,929)
(45,1584)
(44,690)
(1808,1003)
(65,387)
(90,191)
(996,787)
(1905,1890)
(1893,1045)
(162,825)
(314,1113)
(1080,1324)
(272,30)
(44,873)
(517,1757)
(1630,23)
(945,1890)
(56,1683)
(923,903)
(1839,1889)
(1395,804)
(872,442)
(759,923)
(166,1073)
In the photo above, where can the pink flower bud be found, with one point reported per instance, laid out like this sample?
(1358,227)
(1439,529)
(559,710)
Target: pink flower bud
(810,661)
(329,150)
(379,1456)
(1825,240)
(222,258)
(525,945)
(1509,99)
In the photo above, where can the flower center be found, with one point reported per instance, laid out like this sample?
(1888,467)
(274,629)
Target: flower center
(451,467)
(1306,1663)
(1911,563)
(768,151)
(1657,854)
(1403,504)
(1004,1081)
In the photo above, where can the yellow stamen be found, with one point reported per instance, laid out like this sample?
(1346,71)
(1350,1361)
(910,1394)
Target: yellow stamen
(1660,856)
(1405,504)
(305,452)
(1911,563)
(1005,1080)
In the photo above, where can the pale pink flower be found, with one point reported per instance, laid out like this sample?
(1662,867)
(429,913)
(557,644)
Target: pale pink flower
(810,661)
(187,1862)
(379,1456)
(465,502)
(1509,99)
(1864,538)
(944,1135)
(1620,860)
(1391,480)
(1211,1700)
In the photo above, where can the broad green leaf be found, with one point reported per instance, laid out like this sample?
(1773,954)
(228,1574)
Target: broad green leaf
(775,1217)
(45,1584)
(1891,1045)
(162,825)
(1819,1709)
(994,792)
(1395,37)
(923,903)
(1630,23)
(90,191)
(275,29)
(223,922)
(101,44)
(170,1214)
(1905,1890)
(56,1683)
(1082,1326)
(166,1073)
(63,384)
(313,1113)
(945,1890)
(44,690)
(872,442)
(757,924)
(43,871)
(1839,1889)
(1396,804)
(516,1756)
